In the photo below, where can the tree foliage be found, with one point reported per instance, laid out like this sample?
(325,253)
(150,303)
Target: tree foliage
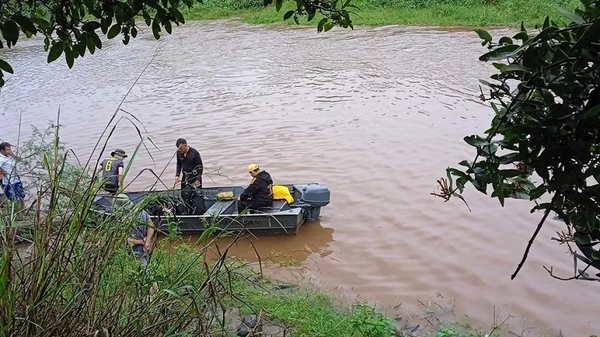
(543,143)
(73,27)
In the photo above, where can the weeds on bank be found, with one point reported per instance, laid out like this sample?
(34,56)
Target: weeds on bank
(79,279)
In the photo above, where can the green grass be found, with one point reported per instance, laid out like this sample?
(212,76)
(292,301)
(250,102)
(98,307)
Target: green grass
(399,12)
(307,312)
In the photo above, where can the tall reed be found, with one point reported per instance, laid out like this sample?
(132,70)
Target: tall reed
(79,280)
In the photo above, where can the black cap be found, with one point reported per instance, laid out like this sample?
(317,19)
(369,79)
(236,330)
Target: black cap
(119,152)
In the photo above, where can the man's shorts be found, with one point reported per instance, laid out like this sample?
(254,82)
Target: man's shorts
(14,191)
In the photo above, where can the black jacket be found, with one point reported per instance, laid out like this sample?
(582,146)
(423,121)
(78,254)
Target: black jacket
(260,189)
(190,164)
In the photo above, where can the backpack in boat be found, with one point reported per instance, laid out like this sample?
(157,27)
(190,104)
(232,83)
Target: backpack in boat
(194,202)
(155,208)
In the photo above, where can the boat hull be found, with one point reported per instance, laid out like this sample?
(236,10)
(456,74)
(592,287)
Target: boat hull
(222,215)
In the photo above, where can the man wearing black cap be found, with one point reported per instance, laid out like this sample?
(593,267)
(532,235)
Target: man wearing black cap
(112,170)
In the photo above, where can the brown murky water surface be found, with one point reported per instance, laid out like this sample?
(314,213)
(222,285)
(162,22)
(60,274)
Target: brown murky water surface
(376,114)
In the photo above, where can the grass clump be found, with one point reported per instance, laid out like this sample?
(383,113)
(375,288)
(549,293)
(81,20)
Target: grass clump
(305,312)
(399,12)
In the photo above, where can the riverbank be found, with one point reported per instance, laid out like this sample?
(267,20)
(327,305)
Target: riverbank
(179,273)
(480,13)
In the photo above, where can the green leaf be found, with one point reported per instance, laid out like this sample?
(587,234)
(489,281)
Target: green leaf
(498,191)
(6,67)
(546,23)
(582,239)
(465,163)
(91,26)
(572,16)
(484,35)
(173,293)
(10,32)
(508,158)
(105,24)
(511,173)
(278,4)
(168,27)
(25,23)
(515,67)
(592,112)
(288,15)
(41,23)
(55,51)
(69,57)
(521,36)
(499,53)
(476,141)
(328,25)
(155,29)
(133,32)
(147,18)
(82,47)
(114,31)
(505,40)
(89,4)
(321,24)
(177,14)
(311,15)
(481,184)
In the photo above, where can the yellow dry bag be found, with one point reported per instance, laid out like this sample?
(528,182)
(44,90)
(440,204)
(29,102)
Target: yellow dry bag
(282,192)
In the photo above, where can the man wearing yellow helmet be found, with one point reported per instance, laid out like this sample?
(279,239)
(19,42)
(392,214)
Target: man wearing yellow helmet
(259,193)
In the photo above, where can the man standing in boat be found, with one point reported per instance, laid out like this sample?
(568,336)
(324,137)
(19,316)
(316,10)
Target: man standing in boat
(190,164)
(260,191)
(113,170)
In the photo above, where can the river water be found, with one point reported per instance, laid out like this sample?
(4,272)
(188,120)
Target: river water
(376,114)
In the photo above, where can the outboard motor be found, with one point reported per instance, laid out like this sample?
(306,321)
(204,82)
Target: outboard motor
(316,196)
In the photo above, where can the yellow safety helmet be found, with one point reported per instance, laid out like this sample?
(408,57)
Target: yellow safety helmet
(252,167)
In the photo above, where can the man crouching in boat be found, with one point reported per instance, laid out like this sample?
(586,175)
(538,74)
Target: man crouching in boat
(259,193)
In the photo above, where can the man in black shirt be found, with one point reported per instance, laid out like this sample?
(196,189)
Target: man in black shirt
(189,163)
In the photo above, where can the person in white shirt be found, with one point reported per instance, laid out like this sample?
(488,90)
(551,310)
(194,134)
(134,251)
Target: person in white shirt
(11,182)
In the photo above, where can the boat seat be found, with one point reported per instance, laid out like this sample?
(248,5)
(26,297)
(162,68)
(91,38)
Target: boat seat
(218,207)
(278,206)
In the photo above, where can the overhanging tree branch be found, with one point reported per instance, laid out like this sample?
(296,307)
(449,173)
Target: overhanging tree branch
(537,230)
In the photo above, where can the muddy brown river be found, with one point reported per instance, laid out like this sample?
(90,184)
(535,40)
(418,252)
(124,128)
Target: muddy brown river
(376,114)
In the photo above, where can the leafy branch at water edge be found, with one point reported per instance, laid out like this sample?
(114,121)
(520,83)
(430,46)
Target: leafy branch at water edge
(543,142)
(71,28)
